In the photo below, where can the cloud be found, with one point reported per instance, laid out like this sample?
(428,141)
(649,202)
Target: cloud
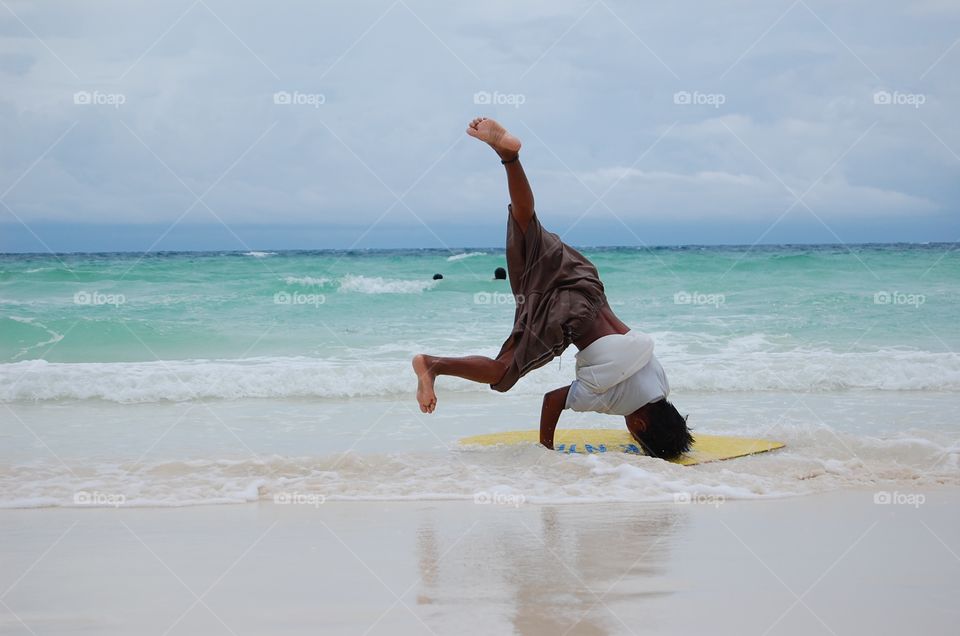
(737,197)
(397,81)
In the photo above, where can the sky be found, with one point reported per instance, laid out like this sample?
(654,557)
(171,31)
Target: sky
(224,125)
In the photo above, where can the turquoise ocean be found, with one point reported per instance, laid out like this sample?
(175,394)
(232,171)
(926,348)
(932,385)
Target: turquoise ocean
(228,377)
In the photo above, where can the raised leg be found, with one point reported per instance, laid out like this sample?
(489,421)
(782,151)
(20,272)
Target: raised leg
(507,148)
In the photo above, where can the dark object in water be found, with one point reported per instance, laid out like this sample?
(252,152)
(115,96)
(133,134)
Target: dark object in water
(499,274)
(437,276)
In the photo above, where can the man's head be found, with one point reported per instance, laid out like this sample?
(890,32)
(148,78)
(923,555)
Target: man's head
(660,429)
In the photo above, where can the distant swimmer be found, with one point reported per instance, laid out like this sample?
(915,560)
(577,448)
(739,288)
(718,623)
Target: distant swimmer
(499,274)
(438,277)
(560,301)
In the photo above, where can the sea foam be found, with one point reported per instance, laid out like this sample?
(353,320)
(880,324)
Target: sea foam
(816,459)
(377,285)
(460,257)
(803,371)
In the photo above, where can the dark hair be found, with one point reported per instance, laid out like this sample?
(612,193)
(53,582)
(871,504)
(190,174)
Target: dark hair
(666,434)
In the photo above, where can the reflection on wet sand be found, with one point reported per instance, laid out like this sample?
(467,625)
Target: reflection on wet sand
(556,574)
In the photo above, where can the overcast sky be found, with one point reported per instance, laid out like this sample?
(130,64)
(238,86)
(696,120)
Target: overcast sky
(215,124)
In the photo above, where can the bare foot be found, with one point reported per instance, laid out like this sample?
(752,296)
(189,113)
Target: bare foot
(506,145)
(425,393)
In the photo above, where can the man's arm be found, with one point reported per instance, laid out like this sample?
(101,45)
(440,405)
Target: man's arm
(553,404)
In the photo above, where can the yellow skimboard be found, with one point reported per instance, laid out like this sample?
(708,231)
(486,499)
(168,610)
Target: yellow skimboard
(706,448)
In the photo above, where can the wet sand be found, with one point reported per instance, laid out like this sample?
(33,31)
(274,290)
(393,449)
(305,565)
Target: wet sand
(828,563)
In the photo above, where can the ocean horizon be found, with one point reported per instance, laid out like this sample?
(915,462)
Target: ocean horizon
(468,248)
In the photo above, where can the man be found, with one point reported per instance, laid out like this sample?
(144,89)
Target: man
(560,301)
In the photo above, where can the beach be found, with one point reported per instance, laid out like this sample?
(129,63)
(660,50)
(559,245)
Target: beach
(229,443)
(335,318)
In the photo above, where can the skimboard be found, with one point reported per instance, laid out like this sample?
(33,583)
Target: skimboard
(706,448)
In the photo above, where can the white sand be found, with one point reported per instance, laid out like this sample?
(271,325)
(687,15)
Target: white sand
(827,564)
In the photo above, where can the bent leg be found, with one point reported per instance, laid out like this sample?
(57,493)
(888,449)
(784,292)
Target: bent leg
(474,368)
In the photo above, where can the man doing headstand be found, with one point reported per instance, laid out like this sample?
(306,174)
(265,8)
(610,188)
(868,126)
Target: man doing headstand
(560,301)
